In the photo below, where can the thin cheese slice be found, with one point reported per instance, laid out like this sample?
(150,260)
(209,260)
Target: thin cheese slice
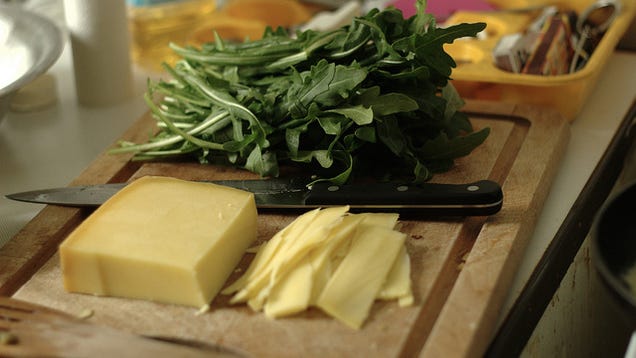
(295,248)
(387,220)
(327,258)
(398,282)
(350,292)
(267,251)
(257,275)
(298,246)
(292,293)
(321,259)
(308,269)
(161,239)
(304,235)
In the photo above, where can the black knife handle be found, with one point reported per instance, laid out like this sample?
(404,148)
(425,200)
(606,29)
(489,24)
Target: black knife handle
(483,197)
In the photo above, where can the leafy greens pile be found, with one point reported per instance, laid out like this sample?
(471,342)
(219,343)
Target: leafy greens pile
(372,97)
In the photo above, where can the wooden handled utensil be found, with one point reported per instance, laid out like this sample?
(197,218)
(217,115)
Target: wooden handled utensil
(28,329)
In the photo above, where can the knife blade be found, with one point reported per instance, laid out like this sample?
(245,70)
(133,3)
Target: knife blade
(478,198)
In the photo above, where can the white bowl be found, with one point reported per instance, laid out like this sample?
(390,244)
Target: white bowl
(29,45)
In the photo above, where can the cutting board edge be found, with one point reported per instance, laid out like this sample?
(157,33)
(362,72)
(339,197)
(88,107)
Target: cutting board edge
(454,337)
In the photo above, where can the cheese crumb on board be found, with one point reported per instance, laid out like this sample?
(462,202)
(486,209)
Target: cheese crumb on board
(331,259)
(161,239)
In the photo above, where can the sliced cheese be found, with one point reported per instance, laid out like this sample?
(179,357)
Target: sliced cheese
(298,246)
(350,292)
(326,259)
(292,292)
(305,234)
(398,282)
(161,239)
(331,259)
(387,220)
(257,275)
(322,260)
(308,268)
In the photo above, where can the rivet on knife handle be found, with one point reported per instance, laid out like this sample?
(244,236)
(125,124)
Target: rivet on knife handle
(479,198)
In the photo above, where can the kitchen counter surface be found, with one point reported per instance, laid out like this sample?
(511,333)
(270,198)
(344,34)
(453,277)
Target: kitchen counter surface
(52,147)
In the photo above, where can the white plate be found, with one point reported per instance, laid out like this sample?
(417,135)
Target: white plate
(29,45)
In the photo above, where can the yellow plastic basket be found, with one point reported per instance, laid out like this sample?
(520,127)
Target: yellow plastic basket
(477,77)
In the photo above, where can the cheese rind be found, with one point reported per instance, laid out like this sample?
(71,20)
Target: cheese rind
(161,239)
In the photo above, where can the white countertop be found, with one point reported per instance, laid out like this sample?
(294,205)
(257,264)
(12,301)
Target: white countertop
(591,132)
(53,146)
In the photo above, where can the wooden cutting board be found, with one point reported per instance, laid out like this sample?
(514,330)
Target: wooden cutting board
(461,268)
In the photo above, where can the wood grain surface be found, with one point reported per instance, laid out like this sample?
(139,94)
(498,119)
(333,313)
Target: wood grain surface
(462,268)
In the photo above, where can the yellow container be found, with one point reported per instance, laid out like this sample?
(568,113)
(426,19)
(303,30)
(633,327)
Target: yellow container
(477,77)
(247,19)
(155,26)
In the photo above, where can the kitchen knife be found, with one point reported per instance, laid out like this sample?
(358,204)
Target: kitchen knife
(478,198)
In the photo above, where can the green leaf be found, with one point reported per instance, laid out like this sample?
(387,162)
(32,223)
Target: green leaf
(359,114)
(421,172)
(453,101)
(421,21)
(443,147)
(332,125)
(326,84)
(391,135)
(264,164)
(367,134)
(392,103)
(347,163)
(292,138)
(387,104)
(323,157)
(372,97)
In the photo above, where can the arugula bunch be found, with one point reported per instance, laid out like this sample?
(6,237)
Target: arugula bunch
(370,98)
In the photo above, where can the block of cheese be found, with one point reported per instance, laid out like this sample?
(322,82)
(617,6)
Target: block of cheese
(161,239)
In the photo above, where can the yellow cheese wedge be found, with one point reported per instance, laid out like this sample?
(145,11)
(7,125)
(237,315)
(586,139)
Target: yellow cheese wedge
(161,239)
